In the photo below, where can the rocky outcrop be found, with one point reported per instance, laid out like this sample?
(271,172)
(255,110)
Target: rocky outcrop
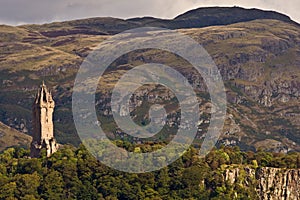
(278,184)
(258,61)
(271,183)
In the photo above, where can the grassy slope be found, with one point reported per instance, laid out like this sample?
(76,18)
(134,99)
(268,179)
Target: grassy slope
(11,137)
(27,56)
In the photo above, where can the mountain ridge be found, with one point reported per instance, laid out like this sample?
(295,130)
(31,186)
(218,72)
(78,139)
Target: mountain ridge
(197,18)
(258,60)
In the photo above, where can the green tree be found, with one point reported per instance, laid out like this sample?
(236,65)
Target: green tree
(162,181)
(52,187)
(27,185)
(7,191)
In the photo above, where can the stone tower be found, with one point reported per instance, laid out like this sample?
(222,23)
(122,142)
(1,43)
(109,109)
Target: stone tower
(43,135)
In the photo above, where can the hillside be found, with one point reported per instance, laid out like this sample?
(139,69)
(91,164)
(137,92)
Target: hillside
(198,18)
(11,137)
(258,60)
(224,174)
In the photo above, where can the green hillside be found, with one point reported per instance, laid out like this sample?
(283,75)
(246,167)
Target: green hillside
(73,173)
(258,60)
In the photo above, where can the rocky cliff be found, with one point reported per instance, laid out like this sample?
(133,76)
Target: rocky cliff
(270,183)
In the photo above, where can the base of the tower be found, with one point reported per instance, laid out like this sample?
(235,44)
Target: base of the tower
(51,146)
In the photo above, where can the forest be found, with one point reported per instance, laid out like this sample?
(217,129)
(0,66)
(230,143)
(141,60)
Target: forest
(73,173)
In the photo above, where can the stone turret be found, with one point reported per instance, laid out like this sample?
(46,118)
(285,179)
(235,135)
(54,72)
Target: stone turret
(43,132)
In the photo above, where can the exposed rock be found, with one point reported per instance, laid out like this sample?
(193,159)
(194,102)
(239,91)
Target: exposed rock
(272,183)
(278,184)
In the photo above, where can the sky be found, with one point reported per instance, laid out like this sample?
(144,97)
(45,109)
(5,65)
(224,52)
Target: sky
(16,12)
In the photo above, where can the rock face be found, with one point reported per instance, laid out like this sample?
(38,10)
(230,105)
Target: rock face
(258,60)
(278,184)
(271,183)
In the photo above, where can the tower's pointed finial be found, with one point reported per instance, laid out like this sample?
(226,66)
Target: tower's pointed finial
(43,83)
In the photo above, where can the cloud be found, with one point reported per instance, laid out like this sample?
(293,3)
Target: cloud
(41,11)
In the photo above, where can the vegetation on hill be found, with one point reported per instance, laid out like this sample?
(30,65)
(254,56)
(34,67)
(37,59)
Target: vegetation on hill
(72,173)
(201,17)
(258,61)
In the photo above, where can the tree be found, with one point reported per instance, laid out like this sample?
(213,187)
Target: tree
(52,187)
(8,190)
(162,181)
(298,161)
(29,166)
(27,185)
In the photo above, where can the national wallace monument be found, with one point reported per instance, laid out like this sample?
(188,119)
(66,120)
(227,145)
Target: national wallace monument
(43,134)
